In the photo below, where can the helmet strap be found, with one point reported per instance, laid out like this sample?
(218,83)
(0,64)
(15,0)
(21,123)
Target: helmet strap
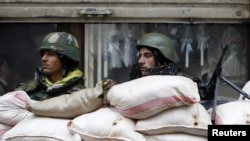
(64,72)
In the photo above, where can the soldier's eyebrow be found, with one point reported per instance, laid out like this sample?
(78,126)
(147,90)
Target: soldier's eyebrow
(148,54)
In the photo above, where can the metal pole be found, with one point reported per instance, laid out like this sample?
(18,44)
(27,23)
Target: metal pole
(245,95)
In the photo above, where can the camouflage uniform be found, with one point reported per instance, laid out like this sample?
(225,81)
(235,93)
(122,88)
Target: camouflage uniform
(65,45)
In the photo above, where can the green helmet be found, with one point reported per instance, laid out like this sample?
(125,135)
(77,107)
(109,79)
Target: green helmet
(61,43)
(160,42)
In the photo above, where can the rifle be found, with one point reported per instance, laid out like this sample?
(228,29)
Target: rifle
(207,90)
(211,86)
(210,91)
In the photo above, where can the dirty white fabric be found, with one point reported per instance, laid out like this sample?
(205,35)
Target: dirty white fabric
(144,97)
(192,119)
(234,112)
(12,107)
(70,105)
(105,125)
(175,137)
(3,128)
(41,129)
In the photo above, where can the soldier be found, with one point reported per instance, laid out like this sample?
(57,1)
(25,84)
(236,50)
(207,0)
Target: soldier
(156,56)
(59,73)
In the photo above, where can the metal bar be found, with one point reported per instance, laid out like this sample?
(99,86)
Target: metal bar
(245,95)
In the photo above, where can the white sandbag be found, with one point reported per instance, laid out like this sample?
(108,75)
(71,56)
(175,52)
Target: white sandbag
(41,129)
(72,105)
(246,89)
(175,137)
(234,112)
(69,105)
(105,125)
(192,119)
(144,97)
(12,107)
(3,128)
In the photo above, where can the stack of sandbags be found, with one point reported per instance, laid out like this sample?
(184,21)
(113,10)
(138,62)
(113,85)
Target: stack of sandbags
(108,124)
(49,118)
(162,104)
(152,108)
(17,123)
(105,124)
(34,128)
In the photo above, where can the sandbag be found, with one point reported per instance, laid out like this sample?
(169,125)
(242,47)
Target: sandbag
(12,107)
(144,97)
(3,128)
(234,112)
(41,129)
(72,105)
(105,124)
(191,119)
(175,137)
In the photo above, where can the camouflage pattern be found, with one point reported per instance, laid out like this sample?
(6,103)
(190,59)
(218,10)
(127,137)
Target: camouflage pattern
(160,42)
(38,90)
(62,43)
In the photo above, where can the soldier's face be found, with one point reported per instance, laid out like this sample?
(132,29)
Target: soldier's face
(146,60)
(52,66)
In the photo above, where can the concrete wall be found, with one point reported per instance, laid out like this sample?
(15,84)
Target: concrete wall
(171,11)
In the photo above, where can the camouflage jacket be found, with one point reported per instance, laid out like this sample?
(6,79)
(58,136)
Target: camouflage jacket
(39,89)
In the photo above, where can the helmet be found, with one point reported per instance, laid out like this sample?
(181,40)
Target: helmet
(160,42)
(62,43)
